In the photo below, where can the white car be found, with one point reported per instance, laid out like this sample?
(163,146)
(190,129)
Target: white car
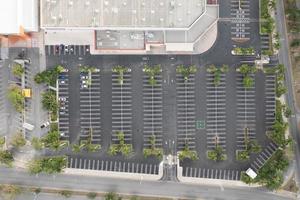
(46,124)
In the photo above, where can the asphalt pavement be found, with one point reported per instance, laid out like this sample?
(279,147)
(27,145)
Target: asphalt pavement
(285,59)
(147,188)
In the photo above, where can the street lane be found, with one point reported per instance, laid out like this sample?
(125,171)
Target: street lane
(148,188)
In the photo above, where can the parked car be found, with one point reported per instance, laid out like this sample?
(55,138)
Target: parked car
(46,124)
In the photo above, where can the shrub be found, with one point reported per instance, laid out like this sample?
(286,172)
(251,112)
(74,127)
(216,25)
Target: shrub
(18,140)
(37,143)
(66,193)
(91,195)
(216,154)
(18,70)
(6,158)
(48,165)
(124,149)
(186,71)
(16,97)
(186,153)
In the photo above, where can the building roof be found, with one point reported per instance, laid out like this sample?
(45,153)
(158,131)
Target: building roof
(121,13)
(18,15)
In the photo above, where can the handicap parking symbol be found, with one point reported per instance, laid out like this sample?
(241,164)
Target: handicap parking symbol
(200,124)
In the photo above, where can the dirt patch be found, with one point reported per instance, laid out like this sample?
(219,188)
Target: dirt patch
(291,186)
(295,56)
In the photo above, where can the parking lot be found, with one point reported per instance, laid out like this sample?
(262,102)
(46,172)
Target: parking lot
(225,174)
(246,112)
(121,107)
(63,98)
(152,111)
(110,165)
(185,112)
(216,112)
(60,49)
(90,110)
(222,124)
(195,113)
(240,12)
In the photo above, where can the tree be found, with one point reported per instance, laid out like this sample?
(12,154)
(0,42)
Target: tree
(52,141)
(120,70)
(66,193)
(2,141)
(18,140)
(49,101)
(37,191)
(16,97)
(49,76)
(9,191)
(248,82)
(37,143)
(124,149)
(91,195)
(49,165)
(76,148)
(18,70)
(6,158)
(216,154)
(186,71)
(217,72)
(152,72)
(245,178)
(242,155)
(153,151)
(186,153)
(111,196)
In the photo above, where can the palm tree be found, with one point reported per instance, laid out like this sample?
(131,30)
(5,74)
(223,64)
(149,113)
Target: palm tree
(186,71)
(120,70)
(151,72)
(217,153)
(76,148)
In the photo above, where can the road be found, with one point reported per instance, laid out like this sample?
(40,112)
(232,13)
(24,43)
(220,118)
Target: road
(285,59)
(147,188)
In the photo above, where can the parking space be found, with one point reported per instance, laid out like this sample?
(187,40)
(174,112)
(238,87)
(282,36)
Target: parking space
(240,13)
(216,111)
(90,113)
(115,166)
(264,156)
(185,112)
(2,102)
(246,112)
(152,106)
(60,49)
(28,83)
(270,100)
(225,174)
(121,106)
(63,98)
(264,42)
